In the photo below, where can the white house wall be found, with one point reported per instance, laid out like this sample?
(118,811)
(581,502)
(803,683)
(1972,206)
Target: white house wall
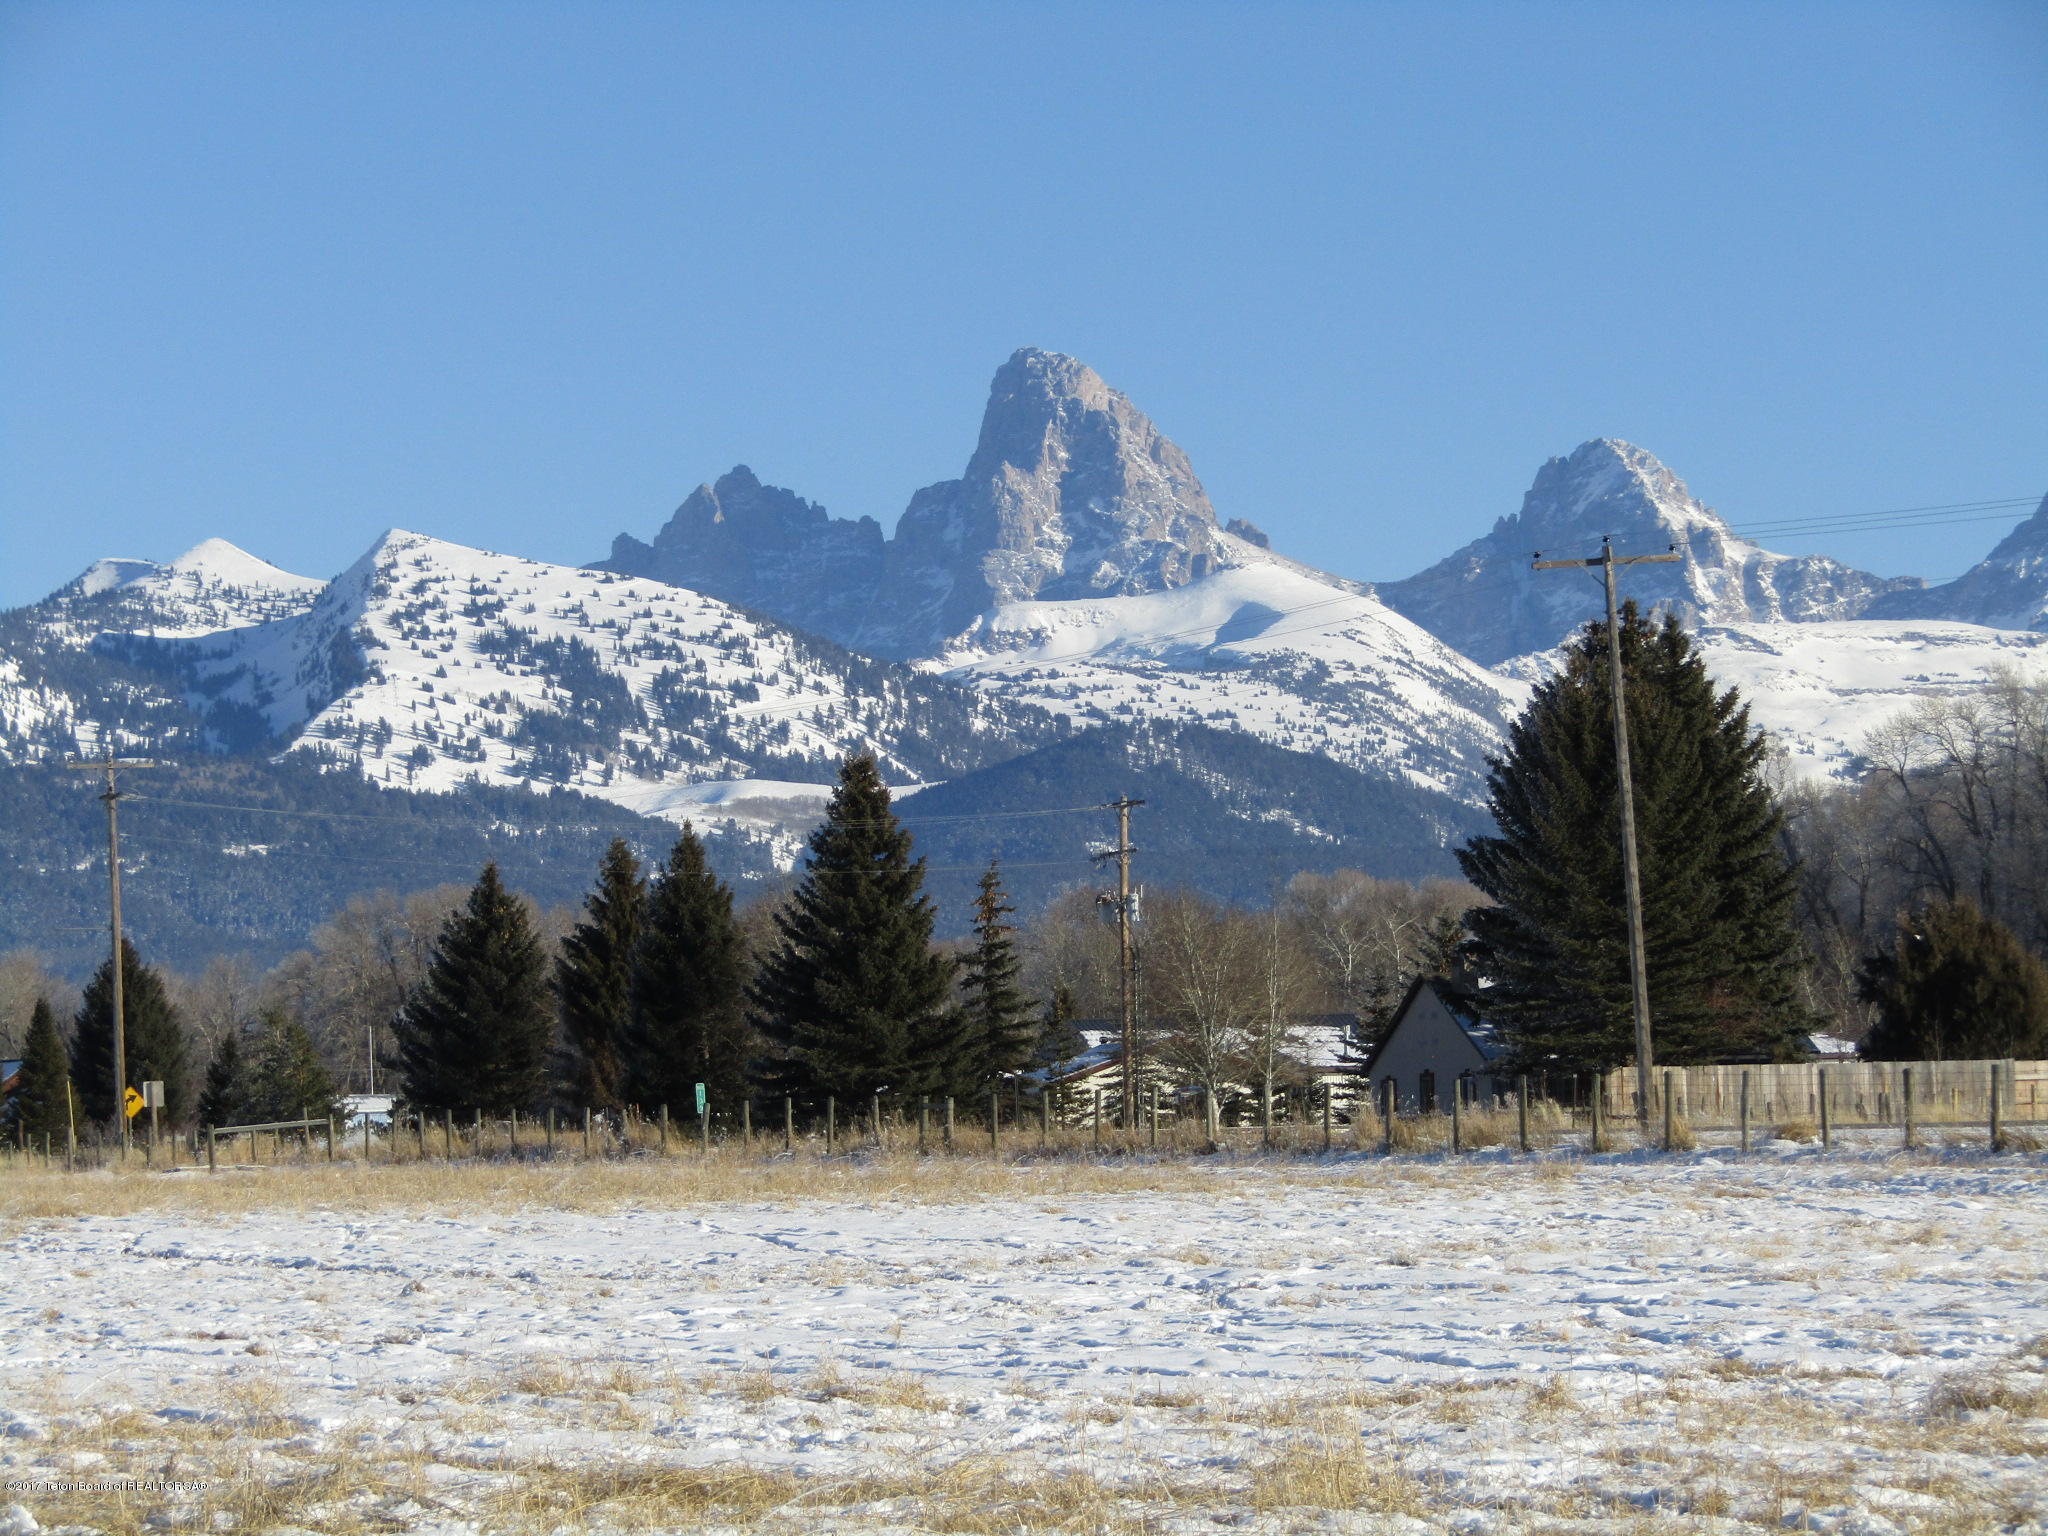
(1427,1038)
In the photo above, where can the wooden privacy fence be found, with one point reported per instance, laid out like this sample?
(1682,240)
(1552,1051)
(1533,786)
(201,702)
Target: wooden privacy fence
(1858,1092)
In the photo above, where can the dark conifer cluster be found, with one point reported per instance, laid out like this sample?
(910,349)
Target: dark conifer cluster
(655,991)
(1722,943)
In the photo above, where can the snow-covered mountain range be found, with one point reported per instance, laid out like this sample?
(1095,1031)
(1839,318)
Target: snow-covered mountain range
(1074,576)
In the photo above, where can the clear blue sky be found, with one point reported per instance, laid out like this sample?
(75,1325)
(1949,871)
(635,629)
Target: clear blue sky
(522,274)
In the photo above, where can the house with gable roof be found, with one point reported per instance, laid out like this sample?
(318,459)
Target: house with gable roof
(1438,1044)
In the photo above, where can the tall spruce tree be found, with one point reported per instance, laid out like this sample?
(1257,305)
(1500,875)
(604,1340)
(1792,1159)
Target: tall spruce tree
(688,991)
(594,986)
(154,1034)
(477,1031)
(1002,1025)
(1955,985)
(40,1106)
(853,992)
(224,1097)
(287,1079)
(1723,949)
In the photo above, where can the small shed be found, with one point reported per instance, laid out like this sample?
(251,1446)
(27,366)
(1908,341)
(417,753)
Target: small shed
(1437,1045)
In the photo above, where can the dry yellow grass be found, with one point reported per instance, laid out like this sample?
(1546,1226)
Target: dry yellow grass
(1274,1462)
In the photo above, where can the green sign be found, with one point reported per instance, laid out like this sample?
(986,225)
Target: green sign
(700,1098)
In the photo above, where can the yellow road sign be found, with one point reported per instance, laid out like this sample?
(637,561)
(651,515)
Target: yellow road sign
(132,1104)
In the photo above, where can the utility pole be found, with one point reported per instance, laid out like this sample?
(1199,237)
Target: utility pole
(1128,1099)
(1639,981)
(112,798)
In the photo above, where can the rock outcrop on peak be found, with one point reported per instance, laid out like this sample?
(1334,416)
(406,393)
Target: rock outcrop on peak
(1071,492)
(1486,601)
(2007,589)
(765,548)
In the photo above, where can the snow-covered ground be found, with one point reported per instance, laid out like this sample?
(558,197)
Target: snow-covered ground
(1852,1343)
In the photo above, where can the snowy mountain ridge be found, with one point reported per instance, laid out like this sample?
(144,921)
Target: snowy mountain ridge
(2007,589)
(1489,603)
(427,664)
(1265,647)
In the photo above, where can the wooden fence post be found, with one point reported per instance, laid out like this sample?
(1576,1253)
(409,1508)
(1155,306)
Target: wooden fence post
(924,1125)
(1670,1115)
(1457,1117)
(788,1123)
(1906,1103)
(1997,1131)
(1599,1129)
(949,1122)
(1387,1117)
(747,1123)
(586,1131)
(995,1121)
(704,1128)
(1098,1119)
(1827,1119)
(210,1140)
(551,1130)
(875,1119)
(1522,1111)
(1045,1116)
(1155,1117)
(831,1121)
(1742,1111)
(1329,1093)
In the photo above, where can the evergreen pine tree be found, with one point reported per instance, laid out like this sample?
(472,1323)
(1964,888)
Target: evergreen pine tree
(287,1079)
(1955,985)
(853,992)
(477,1031)
(39,1106)
(1442,948)
(688,999)
(1058,1040)
(224,1099)
(1002,1027)
(154,1034)
(1723,949)
(594,985)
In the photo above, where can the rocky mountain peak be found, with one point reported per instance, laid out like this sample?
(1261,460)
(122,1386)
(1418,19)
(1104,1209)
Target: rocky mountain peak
(1071,492)
(1609,488)
(2007,589)
(1487,602)
(762,547)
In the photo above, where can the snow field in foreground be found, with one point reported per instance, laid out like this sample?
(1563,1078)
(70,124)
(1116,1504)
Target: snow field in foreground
(1852,1344)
